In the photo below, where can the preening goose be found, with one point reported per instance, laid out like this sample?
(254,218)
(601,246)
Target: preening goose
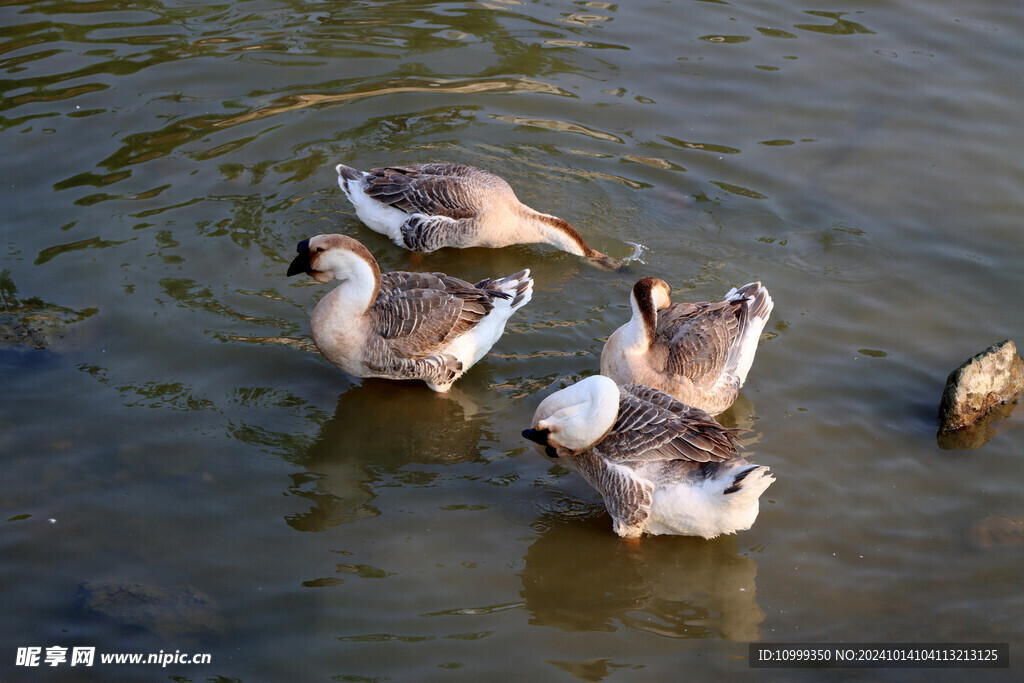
(400,325)
(424,207)
(662,467)
(699,353)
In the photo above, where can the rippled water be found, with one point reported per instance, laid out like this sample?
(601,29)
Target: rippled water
(165,423)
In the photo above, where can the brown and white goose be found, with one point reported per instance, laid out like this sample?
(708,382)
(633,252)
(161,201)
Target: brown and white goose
(661,467)
(424,207)
(700,353)
(400,325)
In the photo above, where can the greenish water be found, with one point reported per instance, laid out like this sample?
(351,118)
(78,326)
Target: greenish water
(164,423)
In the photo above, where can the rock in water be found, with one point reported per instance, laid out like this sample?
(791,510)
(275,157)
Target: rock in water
(169,612)
(997,531)
(994,376)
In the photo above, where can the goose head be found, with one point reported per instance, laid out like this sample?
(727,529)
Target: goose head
(334,257)
(572,420)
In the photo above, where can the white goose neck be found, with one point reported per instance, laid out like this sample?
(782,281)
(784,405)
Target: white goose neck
(358,281)
(638,333)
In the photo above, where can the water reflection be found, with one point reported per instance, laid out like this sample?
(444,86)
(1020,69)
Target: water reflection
(978,433)
(840,27)
(117,45)
(742,415)
(678,587)
(376,430)
(596,669)
(563,126)
(449,87)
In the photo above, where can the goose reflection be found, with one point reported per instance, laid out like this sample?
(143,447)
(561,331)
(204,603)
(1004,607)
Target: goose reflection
(377,429)
(741,414)
(674,586)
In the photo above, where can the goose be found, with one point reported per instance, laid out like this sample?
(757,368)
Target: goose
(421,326)
(424,207)
(699,353)
(662,467)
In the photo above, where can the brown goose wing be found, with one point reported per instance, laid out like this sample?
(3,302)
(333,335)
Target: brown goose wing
(417,313)
(652,425)
(699,337)
(451,190)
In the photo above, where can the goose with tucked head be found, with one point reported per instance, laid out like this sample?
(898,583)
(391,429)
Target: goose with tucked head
(661,467)
(400,325)
(700,353)
(424,207)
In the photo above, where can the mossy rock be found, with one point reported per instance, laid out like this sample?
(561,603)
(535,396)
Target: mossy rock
(992,377)
(33,322)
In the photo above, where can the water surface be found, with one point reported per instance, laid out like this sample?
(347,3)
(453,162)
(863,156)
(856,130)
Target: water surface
(165,423)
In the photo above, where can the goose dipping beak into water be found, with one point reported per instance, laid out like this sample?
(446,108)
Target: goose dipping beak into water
(661,467)
(426,326)
(424,207)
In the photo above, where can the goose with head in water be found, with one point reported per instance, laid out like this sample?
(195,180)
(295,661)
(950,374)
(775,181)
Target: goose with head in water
(424,207)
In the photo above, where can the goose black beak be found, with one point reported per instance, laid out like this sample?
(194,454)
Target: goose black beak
(301,262)
(540,437)
(537,436)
